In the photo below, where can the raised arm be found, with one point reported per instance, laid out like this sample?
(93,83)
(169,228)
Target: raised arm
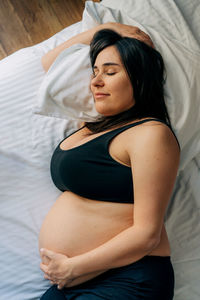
(154,160)
(86,37)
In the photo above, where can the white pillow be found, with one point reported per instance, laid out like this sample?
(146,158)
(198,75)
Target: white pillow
(73,98)
(65,89)
(174,19)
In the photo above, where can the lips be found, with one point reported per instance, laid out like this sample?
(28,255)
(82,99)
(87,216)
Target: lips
(100,95)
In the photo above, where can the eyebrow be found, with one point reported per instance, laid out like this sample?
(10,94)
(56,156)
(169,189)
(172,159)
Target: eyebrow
(107,64)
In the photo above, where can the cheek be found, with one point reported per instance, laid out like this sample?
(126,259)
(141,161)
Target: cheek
(116,86)
(129,91)
(124,88)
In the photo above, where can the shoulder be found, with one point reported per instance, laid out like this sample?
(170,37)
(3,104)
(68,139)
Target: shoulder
(152,136)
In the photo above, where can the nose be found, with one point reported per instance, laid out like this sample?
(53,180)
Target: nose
(97,80)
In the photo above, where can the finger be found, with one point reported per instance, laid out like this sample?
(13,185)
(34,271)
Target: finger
(45,260)
(47,277)
(44,268)
(147,41)
(136,32)
(48,253)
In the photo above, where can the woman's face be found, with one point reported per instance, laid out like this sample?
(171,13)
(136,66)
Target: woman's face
(110,84)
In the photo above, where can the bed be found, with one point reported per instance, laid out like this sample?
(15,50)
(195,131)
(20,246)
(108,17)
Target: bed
(37,110)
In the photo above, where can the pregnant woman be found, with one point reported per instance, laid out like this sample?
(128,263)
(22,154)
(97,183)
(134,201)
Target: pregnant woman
(104,238)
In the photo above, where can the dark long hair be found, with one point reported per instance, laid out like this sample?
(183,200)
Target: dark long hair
(145,68)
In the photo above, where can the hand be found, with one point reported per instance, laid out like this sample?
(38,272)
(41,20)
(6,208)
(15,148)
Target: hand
(130,31)
(56,267)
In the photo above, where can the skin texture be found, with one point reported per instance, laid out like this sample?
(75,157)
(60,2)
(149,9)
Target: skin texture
(121,234)
(110,78)
(153,179)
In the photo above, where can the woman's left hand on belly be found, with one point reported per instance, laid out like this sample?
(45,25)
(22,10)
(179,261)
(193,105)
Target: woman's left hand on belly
(56,267)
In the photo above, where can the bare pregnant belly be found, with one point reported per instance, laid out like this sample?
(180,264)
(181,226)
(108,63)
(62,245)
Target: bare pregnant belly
(75,225)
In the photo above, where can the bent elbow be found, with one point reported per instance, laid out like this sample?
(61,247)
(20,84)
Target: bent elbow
(152,242)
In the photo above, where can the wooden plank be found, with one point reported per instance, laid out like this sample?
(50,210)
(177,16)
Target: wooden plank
(25,23)
(68,12)
(38,18)
(12,31)
(2,52)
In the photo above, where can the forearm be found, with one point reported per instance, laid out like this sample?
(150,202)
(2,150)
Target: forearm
(127,247)
(86,37)
(81,38)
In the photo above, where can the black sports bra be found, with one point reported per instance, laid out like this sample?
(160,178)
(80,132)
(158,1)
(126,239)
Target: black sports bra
(88,170)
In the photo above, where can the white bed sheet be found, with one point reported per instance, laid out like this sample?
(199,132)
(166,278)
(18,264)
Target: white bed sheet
(180,21)
(27,192)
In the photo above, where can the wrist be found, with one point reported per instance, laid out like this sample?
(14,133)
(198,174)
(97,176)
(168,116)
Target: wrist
(75,262)
(108,25)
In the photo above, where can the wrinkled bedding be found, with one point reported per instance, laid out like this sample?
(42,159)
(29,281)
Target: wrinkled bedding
(28,140)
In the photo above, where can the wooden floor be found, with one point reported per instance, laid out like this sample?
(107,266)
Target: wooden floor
(24,23)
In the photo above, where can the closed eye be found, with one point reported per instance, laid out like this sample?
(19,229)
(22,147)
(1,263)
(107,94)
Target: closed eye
(109,74)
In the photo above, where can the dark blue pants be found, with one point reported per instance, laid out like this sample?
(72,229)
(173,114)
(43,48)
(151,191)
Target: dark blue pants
(151,277)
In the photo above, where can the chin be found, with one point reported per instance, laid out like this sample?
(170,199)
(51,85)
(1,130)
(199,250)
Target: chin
(105,112)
